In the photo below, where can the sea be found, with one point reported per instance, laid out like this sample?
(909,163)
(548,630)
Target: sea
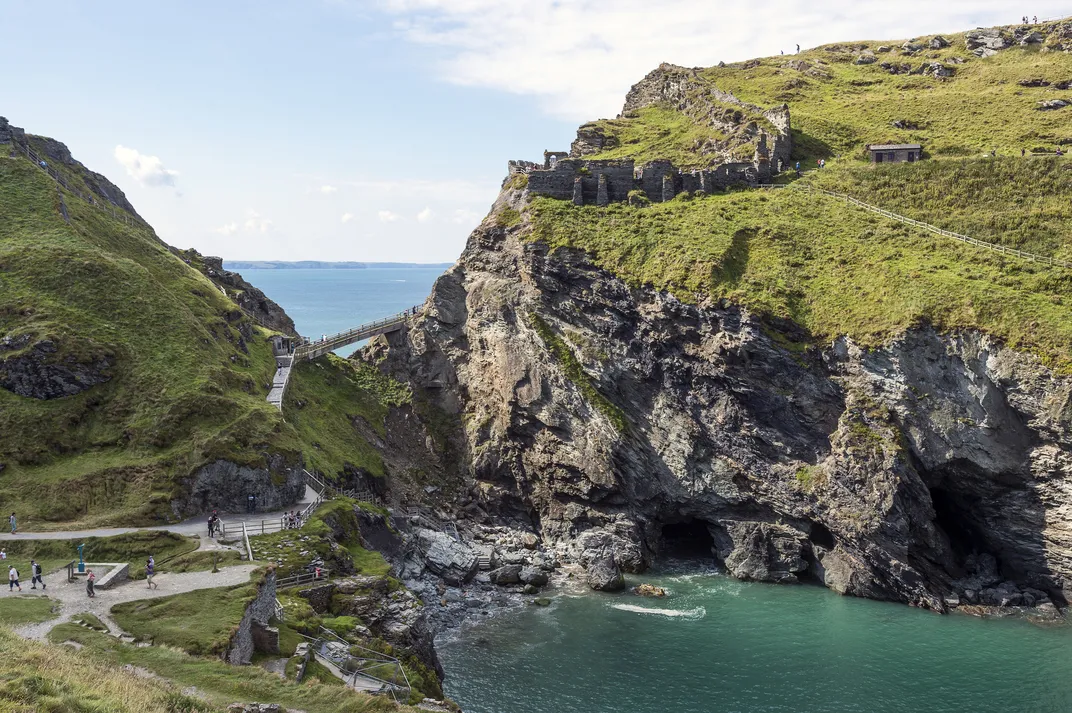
(713,644)
(326,301)
(718,645)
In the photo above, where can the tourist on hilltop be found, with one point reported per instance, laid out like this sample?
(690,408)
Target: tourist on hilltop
(1034,20)
(90,581)
(13,579)
(798,48)
(14,525)
(150,572)
(35,575)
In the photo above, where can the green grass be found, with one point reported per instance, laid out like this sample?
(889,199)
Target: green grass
(661,132)
(828,267)
(199,622)
(133,547)
(329,402)
(1025,203)
(186,387)
(838,107)
(15,609)
(219,682)
(39,677)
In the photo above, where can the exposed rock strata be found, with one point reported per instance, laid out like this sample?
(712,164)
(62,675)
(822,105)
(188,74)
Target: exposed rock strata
(883,473)
(226,486)
(43,371)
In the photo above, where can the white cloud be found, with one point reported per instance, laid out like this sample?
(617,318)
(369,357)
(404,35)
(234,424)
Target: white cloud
(146,170)
(425,215)
(387,216)
(228,229)
(581,56)
(463,216)
(347,217)
(328,189)
(256,223)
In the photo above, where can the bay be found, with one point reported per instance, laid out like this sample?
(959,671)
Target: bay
(326,301)
(718,644)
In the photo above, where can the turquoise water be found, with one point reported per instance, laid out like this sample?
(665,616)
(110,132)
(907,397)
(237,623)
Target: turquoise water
(328,301)
(735,647)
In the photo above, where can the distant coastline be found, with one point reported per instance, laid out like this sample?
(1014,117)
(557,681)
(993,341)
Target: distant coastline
(321,265)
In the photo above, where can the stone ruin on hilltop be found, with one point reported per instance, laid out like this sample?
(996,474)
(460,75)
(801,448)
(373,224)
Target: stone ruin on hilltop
(586,181)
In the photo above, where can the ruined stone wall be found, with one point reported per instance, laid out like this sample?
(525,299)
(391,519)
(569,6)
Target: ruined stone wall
(253,633)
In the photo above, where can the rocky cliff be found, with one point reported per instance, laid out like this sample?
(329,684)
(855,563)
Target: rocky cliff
(619,421)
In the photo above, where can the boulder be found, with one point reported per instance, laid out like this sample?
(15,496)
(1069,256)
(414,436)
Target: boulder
(604,575)
(882,49)
(938,70)
(529,540)
(867,57)
(985,42)
(649,590)
(534,576)
(938,42)
(761,551)
(530,589)
(507,574)
(1051,104)
(911,47)
(1033,38)
(1033,82)
(454,561)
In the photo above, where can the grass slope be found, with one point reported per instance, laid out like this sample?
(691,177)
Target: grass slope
(134,547)
(16,609)
(828,267)
(186,387)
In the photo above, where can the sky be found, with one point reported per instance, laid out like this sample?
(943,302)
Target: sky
(374,130)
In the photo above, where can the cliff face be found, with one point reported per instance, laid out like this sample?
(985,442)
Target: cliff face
(621,421)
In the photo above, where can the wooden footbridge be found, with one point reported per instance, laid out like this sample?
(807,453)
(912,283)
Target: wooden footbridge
(289,351)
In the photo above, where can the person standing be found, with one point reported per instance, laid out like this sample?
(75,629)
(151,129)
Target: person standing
(35,575)
(13,579)
(150,572)
(3,554)
(90,580)
(14,525)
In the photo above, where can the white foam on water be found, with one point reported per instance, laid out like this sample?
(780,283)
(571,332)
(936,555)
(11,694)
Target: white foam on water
(690,614)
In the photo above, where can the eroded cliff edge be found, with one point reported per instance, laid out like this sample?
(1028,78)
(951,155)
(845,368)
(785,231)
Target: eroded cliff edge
(616,421)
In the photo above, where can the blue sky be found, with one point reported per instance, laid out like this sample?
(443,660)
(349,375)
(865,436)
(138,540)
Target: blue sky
(372,129)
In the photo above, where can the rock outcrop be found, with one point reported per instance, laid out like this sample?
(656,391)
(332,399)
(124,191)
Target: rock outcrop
(226,486)
(879,472)
(251,299)
(42,370)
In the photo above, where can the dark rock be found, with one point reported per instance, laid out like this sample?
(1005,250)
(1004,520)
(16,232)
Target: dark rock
(604,575)
(865,58)
(507,574)
(541,601)
(1035,82)
(319,597)
(226,486)
(1032,38)
(985,42)
(762,552)
(533,575)
(938,42)
(43,371)
(531,589)
(454,561)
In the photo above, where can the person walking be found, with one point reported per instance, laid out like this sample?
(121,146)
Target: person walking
(13,579)
(3,554)
(14,525)
(798,48)
(150,572)
(90,580)
(35,575)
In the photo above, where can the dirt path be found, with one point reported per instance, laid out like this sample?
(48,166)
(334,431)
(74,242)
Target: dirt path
(73,599)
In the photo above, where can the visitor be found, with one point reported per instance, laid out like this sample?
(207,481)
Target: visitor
(3,554)
(14,525)
(35,575)
(798,48)
(90,580)
(1023,152)
(798,169)
(13,579)
(1034,20)
(251,503)
(150,572)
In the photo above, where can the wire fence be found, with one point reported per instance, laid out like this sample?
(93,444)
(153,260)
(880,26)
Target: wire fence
(996,247)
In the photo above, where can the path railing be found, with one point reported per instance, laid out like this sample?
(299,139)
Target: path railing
(363,664)
(329,343)
(245,536)
(296,580)
(96,202)
(996,247)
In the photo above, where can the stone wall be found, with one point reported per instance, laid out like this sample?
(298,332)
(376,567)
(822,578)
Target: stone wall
(620,176)
(253,634)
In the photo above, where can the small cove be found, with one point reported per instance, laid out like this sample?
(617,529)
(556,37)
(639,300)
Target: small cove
(717,644)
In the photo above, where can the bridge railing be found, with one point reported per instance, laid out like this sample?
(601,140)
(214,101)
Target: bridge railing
(350,336)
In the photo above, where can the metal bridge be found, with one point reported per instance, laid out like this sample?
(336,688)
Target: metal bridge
(288,352)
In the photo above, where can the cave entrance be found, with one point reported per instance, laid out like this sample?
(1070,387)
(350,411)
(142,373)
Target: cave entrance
(690,539)
(954,517)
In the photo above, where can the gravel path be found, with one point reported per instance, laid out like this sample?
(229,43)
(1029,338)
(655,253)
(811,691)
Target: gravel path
(194,526)
(73,599)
